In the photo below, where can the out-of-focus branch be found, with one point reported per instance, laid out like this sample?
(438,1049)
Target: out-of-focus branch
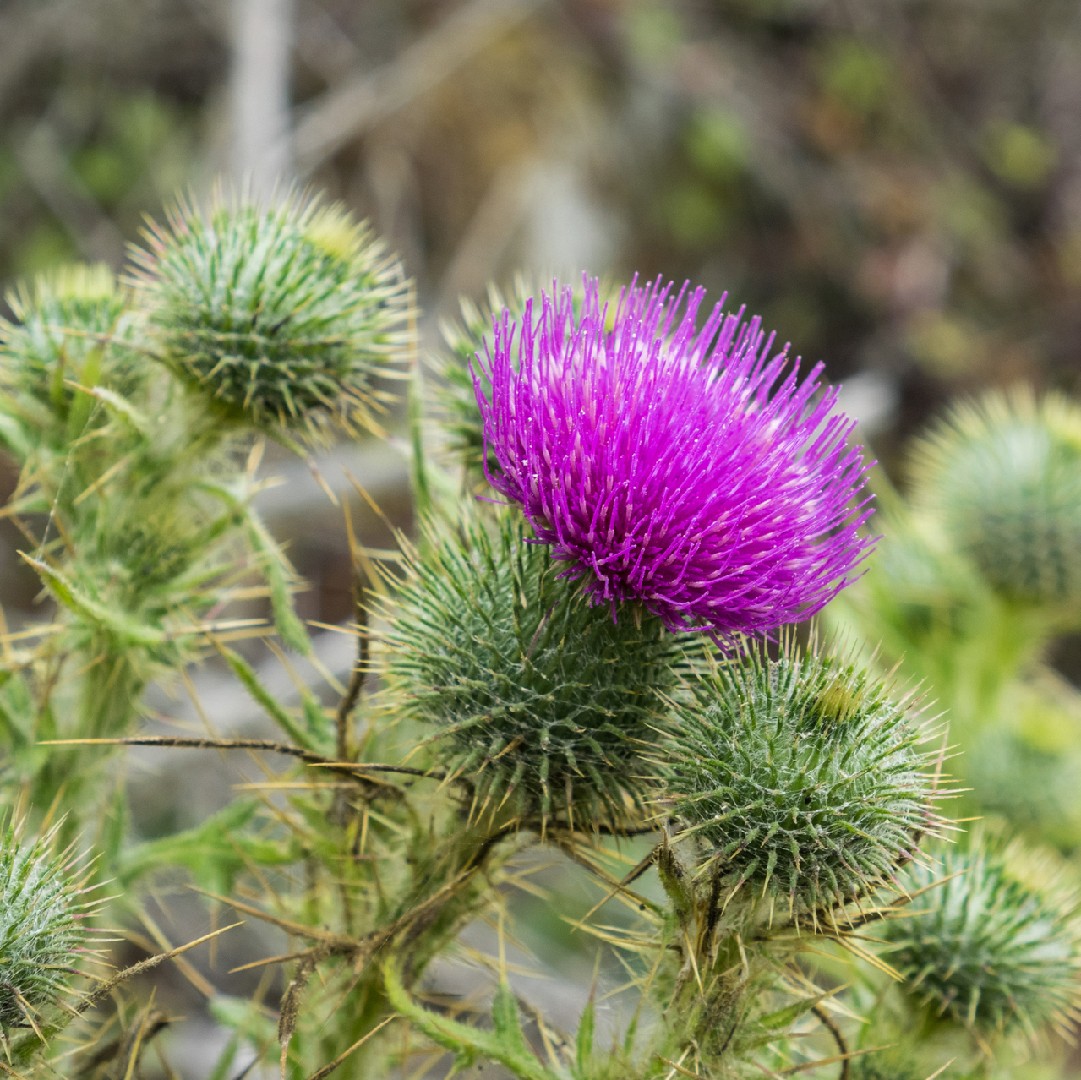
(262,34)
(346,111)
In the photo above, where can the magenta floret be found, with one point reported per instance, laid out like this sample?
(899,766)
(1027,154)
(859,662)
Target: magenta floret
(687,470)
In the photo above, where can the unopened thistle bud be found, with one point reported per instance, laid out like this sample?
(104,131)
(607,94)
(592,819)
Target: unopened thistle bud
(72,332)
(802,780)
(1003,475)
(542,701)
(288,317)
(991,939)
(43,903)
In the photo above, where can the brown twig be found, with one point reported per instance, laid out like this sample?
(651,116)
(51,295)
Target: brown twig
(830,1025)
(350,769)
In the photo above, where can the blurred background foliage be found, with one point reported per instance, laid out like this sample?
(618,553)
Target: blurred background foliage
(895,186)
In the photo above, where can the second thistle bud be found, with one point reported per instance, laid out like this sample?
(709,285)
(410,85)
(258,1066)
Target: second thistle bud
(541,700)
(42,904)
(1004,478)
(802,781)
(73,332)
(990,940)
(287,317)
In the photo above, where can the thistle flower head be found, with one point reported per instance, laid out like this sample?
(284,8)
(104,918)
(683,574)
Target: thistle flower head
(1003,475)
(802,779)
(991,939)
(541,701)
(42,905)
(288,317)
(688,470)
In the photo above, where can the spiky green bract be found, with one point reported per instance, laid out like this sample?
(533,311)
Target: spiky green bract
(881,1067)
(289,317)
(73,331)
(803,779)
(455,393)
(544,702)
(1003,474)
(991,939)
(43,906)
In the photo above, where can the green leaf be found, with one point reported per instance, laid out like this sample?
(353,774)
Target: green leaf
(118,624)
(765,1029)
(505,1045)
(82,403)
(214,842)
(280,584)
(421,490)
(123,408)
(273,708)
(506,1020)
(583,1048)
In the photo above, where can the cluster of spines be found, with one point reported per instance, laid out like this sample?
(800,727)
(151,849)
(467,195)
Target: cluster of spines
(991,939)
(44,904)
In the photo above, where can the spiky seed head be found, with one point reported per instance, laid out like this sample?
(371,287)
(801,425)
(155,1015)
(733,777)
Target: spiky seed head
(690,470)
(43,907)
(289,317)
(1003,475)
(542,701)
(73,330)
(803,780)
(991,939)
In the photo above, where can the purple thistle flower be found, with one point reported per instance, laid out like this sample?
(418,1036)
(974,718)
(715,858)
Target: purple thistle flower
(685,470)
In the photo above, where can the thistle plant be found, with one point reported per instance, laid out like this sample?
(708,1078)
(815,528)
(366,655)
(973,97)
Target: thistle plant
(584,658)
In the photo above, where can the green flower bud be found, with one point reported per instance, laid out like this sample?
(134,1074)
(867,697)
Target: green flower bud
(990,940)
(43,905)
(288,317)
(543,701)
(802,779)
(72,332)
(1003,475)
